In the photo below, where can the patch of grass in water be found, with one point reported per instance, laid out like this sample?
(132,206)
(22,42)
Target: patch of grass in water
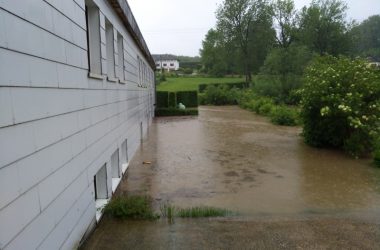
(133,207)
(198,212)
(168,210)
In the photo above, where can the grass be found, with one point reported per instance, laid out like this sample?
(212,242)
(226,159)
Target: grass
(176,84)
(170,211)
(197,212)
(133,207)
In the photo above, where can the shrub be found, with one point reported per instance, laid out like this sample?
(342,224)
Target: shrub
(221,95)
(239,85)
(162,99)
(201,99)
(285,116)
(133,207)
(172,100)
(175,112)
(341,105)
(188,98)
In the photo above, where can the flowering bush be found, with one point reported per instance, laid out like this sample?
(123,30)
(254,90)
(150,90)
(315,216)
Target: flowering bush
(341,105)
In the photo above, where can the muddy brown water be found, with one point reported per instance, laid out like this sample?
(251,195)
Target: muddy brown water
(230,158)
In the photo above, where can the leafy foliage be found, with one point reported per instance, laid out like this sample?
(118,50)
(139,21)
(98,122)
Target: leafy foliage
(220,95)
(341,104)
(279,114)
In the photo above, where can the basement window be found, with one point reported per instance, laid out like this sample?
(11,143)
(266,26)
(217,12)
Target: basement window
(124,156)
(115,169)
(101,191)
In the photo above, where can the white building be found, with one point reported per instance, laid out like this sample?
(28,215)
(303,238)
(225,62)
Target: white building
(166,62)
(69,120)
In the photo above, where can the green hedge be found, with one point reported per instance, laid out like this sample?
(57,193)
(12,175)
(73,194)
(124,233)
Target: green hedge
(238,85)
(172,100)
(175,112)
(162,99)
(188,98)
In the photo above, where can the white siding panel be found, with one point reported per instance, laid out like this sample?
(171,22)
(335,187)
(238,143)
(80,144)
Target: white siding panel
(58,236)
(35,103)
(9,189)
(6,114)
(3,36)
(71,77)
(43,73)
(35,232)
(16,142)
(14,70)
(15,216)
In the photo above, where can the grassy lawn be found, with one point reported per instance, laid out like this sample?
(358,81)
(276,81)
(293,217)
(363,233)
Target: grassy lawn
(191,83)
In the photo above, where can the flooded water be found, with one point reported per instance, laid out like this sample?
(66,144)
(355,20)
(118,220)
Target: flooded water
(230,158)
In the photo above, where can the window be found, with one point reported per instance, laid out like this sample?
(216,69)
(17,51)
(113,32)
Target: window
(110,50)
(120,52)
(165,65)
(124,156)
(172,65)
(139,69)
(157,64)
(115,170)
(93,38)
(101,190)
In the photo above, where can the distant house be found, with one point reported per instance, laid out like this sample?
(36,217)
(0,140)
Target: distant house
(77,96)
(166,62)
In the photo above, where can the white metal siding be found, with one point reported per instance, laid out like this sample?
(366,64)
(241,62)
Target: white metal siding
(57,126)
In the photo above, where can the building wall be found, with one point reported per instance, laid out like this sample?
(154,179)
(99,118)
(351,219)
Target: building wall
(58,127)
(168,64)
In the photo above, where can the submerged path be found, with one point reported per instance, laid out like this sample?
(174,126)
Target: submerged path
(287,194)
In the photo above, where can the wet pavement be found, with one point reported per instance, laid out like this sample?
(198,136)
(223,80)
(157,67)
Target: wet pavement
(287,195)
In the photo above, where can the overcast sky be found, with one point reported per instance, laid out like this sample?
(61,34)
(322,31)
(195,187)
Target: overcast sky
(179,26)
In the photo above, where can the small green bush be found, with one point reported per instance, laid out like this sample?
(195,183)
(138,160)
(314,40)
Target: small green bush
(172,100)
(341,105)
(282,115)
(162,99)
(188,98)
(133,207)
(176,112)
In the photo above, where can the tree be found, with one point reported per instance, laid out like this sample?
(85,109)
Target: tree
(285,16)
(212,54)
(323,27)
(367,37)
(234,21)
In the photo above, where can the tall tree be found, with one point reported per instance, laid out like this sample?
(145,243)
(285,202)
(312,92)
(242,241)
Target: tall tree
(212,54)
(323,27)
(234,21)
(367,37)
(285,16)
